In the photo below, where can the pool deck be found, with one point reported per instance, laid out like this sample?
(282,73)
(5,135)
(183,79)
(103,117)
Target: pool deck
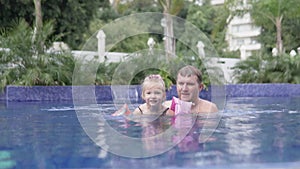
(65,93)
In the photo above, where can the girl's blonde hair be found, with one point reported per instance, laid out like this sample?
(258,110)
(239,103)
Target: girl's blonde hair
(153,81)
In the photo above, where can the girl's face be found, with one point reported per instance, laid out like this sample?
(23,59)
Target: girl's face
(154,96)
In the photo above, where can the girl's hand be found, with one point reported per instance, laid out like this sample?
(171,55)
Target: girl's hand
(122,111)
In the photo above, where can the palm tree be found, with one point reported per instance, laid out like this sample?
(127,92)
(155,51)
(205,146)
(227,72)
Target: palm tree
(170,7)
(274,11)
(38,26)
(19,67)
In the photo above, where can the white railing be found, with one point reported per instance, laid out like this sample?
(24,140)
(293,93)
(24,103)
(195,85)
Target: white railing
(100,55)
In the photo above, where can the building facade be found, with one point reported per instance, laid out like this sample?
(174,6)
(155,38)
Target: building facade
(241,33)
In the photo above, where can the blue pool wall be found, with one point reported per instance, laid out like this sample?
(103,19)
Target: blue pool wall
(104,93)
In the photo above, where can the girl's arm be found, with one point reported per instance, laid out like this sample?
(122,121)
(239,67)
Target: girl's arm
(122,111)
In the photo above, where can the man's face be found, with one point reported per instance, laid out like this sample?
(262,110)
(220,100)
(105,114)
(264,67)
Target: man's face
(188,88)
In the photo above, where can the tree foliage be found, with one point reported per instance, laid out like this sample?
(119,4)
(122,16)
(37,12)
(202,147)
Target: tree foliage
(21,64)
(143,63)
(212,21)
(75,21)
(268,69)
(72,17)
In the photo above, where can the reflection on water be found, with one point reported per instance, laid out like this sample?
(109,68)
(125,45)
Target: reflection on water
(241,141)
(5,160)
(145,137)
(252,133)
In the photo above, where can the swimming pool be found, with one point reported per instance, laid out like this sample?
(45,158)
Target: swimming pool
(254,132)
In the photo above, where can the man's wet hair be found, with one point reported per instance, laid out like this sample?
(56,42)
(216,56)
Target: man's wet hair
(189,71)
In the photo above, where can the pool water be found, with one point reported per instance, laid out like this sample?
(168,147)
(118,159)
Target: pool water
(256,132)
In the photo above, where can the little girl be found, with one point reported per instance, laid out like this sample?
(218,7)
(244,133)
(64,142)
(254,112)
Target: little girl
(154,94)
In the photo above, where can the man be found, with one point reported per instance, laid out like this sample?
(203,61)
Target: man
(189,85)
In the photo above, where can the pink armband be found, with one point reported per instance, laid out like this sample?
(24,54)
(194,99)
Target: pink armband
(180,107)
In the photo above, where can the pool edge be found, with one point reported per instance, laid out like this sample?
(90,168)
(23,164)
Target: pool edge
(104,93)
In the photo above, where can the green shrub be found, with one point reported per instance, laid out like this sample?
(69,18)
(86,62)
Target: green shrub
(268,69)
(25,64)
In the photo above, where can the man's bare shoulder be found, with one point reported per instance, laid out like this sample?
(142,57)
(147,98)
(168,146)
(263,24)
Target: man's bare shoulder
(207,106)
